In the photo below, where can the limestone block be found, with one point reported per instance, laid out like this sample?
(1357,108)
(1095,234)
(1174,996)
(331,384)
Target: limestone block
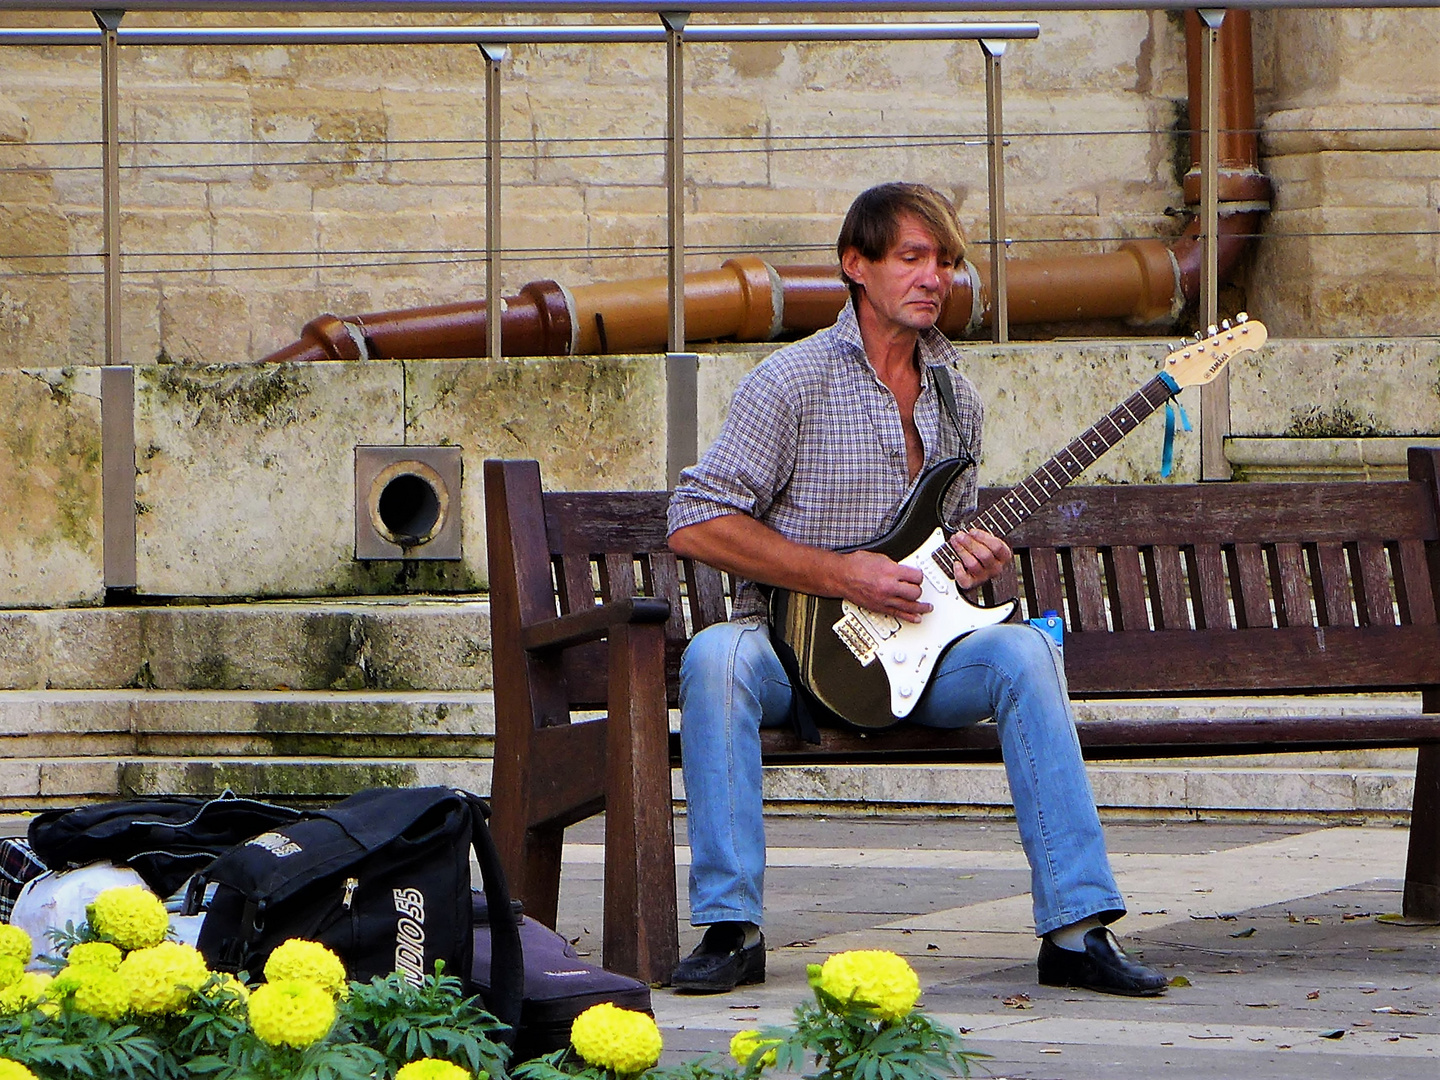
(1337,388)
(1138,788)
(14,128)
(245,476)
(1038,396)
(1253,789)
(36,321)
(592,424)
(50,519)
(77,777)
(19,779)
(1365,56)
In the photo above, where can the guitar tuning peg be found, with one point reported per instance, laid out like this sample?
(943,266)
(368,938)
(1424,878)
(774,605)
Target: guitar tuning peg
(1242,317)
(1212,331)
(1224,324)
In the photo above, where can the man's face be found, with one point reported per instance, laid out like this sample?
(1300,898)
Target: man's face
(907,286)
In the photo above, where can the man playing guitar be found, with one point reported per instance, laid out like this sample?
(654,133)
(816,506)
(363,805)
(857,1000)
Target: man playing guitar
(823,445)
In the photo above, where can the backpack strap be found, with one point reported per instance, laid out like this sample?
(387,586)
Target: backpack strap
(507,960)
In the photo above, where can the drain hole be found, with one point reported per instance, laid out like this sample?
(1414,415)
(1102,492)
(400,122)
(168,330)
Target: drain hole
(409,508)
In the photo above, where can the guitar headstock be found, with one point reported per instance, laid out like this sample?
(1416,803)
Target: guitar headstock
(1198,362)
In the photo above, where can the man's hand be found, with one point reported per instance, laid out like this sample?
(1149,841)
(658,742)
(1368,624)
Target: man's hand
(878,583)
(979,557)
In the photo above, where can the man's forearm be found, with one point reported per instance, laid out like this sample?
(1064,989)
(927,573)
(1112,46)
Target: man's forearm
(739,544)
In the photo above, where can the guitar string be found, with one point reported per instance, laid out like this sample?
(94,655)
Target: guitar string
(1013,502)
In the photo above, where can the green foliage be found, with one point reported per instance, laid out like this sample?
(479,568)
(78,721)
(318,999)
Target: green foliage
(383,1025)
(404,1023)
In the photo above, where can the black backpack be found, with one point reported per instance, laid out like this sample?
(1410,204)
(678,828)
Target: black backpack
(164,840)
(381,878)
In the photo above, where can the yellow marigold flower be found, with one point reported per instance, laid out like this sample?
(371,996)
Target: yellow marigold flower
(99,991)
(291,1013)
(874,978)
(432,1069)
(162,978)
(15,942)
(129,915)
(308,961)
(13,1070)
(24,994)
(95,952)
(10,970)
(617,1039)
(745,1043)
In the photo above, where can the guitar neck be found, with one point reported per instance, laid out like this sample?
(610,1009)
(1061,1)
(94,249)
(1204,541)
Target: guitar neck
(1003,517)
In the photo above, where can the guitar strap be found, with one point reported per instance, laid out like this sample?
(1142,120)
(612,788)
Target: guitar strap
(946,387)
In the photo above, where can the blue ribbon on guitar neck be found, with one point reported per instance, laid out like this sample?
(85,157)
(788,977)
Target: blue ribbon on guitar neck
(1167,456)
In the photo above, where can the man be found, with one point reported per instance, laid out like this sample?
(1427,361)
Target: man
(822,446)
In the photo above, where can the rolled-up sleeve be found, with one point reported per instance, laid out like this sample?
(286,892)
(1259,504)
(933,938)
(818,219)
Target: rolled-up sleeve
(750,462)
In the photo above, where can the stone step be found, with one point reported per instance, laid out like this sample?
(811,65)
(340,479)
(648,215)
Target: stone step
(34,784)
(1316,790)
(65,746)
(349,644)
(224,723)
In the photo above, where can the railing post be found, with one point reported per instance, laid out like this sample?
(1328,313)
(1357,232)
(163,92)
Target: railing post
(109,21)
(995,140)
(1214,396)
(681,367)
(495,55)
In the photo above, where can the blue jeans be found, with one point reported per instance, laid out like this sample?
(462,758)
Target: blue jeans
(732,685)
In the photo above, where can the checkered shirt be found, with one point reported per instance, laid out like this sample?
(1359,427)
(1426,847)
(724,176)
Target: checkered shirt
(813,447)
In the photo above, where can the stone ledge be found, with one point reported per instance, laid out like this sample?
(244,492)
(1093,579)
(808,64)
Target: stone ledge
(1278,458)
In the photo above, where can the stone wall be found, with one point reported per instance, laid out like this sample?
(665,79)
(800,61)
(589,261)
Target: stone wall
(364,165)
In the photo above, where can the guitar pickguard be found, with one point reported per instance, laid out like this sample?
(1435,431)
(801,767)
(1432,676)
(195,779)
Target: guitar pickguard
(908,651)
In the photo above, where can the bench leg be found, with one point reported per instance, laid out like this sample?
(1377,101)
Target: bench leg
(642,934)
(1422,868)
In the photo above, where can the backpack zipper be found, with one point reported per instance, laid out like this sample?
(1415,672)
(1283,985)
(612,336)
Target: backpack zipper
(351,884)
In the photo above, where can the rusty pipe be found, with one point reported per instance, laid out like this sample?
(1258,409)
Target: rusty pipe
(1238,144)
(1145,282)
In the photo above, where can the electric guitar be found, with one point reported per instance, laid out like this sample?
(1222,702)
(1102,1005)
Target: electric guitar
(870,669)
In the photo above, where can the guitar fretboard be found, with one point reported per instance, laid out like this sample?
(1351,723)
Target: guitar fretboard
(1004,516)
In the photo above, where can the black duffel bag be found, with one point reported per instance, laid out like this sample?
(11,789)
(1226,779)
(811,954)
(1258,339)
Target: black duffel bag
(381,878)
(163,840)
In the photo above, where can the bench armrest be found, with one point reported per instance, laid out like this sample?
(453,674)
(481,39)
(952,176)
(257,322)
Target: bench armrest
(593,624)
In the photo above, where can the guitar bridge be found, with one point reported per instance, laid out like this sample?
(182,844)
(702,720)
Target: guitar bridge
(851,630)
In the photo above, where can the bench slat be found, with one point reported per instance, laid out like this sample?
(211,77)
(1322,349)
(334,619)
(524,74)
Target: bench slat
(1209,572)
(1046,593)
(576,583)
(617,576)
(1377,606)
(707,594)
(1127,588)
(1230,513)
(1292,594)
(1334,594)
(1413,584)
(1083,571)
(1248,576)
(665,582)
(1264,659)
(1172,612)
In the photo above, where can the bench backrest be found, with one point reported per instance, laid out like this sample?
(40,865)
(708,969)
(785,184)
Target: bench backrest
(1204,588)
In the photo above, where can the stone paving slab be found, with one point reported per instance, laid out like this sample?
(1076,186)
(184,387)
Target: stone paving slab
(1276,929)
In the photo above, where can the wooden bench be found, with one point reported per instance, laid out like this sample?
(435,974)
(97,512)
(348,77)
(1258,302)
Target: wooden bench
(1167,590)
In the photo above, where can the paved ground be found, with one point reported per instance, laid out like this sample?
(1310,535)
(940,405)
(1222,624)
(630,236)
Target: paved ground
(1281,938)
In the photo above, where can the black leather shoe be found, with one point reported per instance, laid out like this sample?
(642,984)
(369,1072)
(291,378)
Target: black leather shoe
(1103,966)
(721,961)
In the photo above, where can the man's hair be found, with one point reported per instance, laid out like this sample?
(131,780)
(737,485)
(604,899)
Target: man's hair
(872,224)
